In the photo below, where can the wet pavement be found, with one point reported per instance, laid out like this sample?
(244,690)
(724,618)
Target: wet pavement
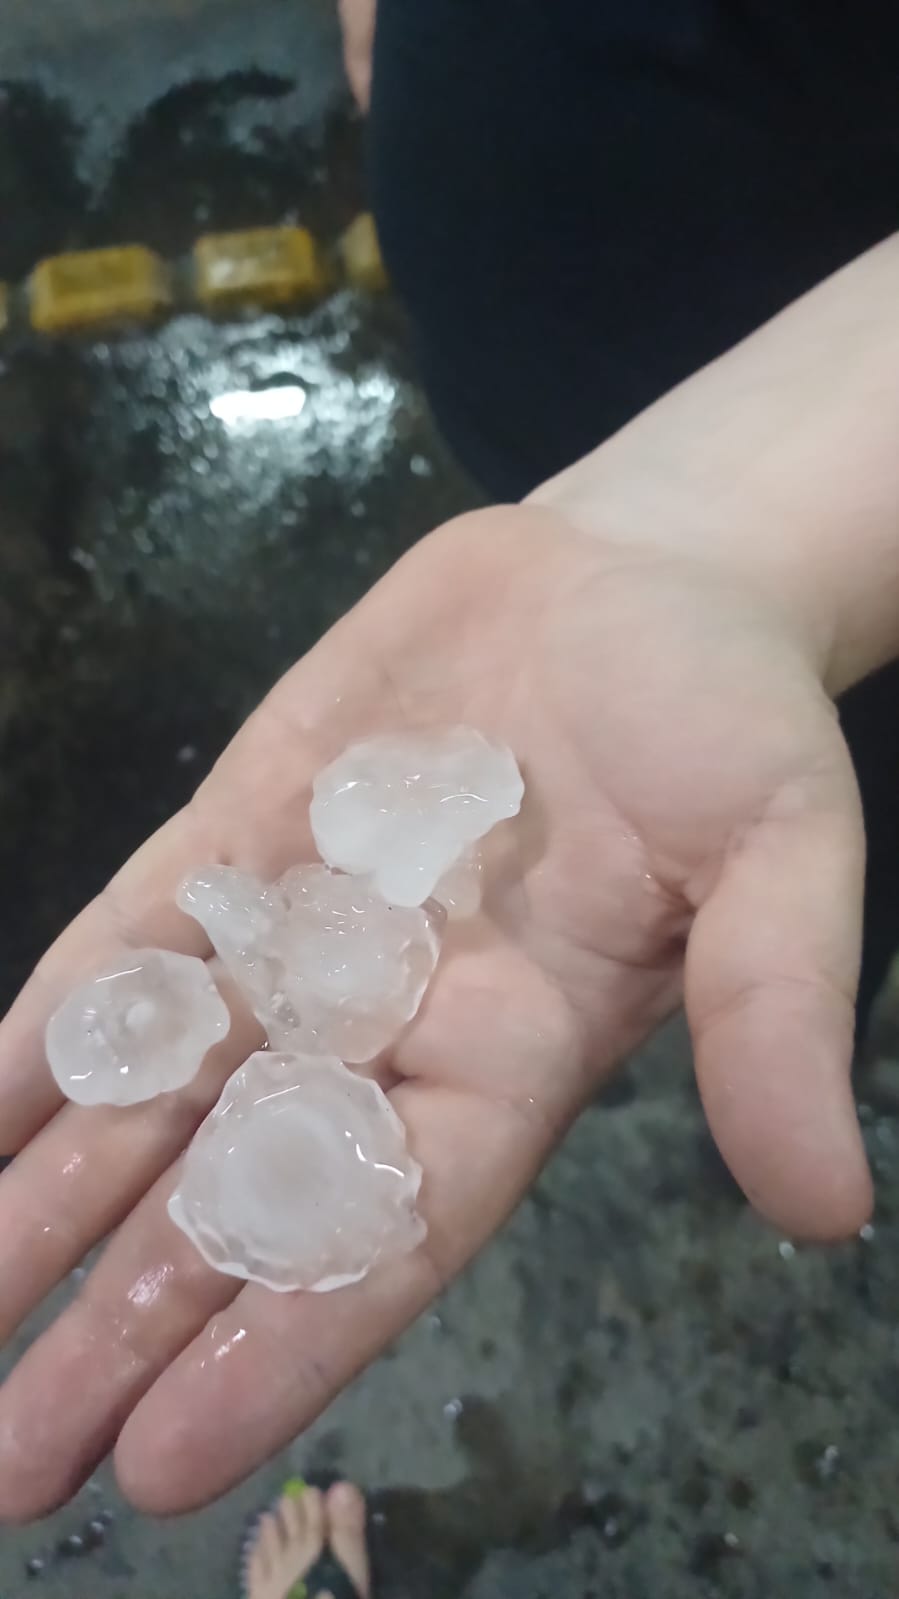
(638,1390)
(162,566)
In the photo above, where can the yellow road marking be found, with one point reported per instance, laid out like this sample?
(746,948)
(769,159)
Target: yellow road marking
(83,288)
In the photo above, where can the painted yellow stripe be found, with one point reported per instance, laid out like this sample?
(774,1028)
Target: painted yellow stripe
(361,256)
(82,289)
(257,266)
(261,266)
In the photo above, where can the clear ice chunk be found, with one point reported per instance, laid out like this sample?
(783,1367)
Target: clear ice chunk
(327,966)
(300,1177)
(460,889)
(403,807)
(139,1028)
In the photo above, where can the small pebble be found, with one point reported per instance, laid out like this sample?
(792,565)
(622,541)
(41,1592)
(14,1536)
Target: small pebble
(785,1249)
(866,1233)
(35,1567)
(710,1550)
(73,1545)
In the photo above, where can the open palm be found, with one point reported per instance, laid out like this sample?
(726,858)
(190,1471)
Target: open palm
(691,821)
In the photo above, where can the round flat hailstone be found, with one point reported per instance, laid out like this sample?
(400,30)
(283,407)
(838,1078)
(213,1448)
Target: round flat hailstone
(404,807)
(328,967)
(139,1028)
(299,1178)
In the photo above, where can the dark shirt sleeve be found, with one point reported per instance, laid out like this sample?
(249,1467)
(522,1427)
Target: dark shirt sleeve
(583,202)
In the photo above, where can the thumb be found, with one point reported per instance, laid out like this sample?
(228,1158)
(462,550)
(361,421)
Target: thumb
(771,973)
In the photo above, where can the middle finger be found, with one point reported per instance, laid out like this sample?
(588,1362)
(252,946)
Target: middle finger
(66,1400)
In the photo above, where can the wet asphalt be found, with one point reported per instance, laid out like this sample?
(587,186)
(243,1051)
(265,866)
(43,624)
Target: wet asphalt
(637,1391)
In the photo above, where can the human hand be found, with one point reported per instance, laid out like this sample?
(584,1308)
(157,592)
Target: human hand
(691,823)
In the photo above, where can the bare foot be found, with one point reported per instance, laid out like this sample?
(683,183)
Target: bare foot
(346,1515)
(288,1542)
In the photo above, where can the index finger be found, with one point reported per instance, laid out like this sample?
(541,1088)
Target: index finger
(136,910)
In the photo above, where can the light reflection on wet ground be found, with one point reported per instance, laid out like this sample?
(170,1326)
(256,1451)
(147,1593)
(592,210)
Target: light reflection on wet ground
(187,507)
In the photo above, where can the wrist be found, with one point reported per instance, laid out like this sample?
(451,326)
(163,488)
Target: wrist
(780,464)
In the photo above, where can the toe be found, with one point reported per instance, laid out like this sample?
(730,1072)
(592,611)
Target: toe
(302,1521)
(313,1504)
(346,1506)
(291,1513)
(303,1518)
(270,1541)
(346,1534)
(257,1568)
